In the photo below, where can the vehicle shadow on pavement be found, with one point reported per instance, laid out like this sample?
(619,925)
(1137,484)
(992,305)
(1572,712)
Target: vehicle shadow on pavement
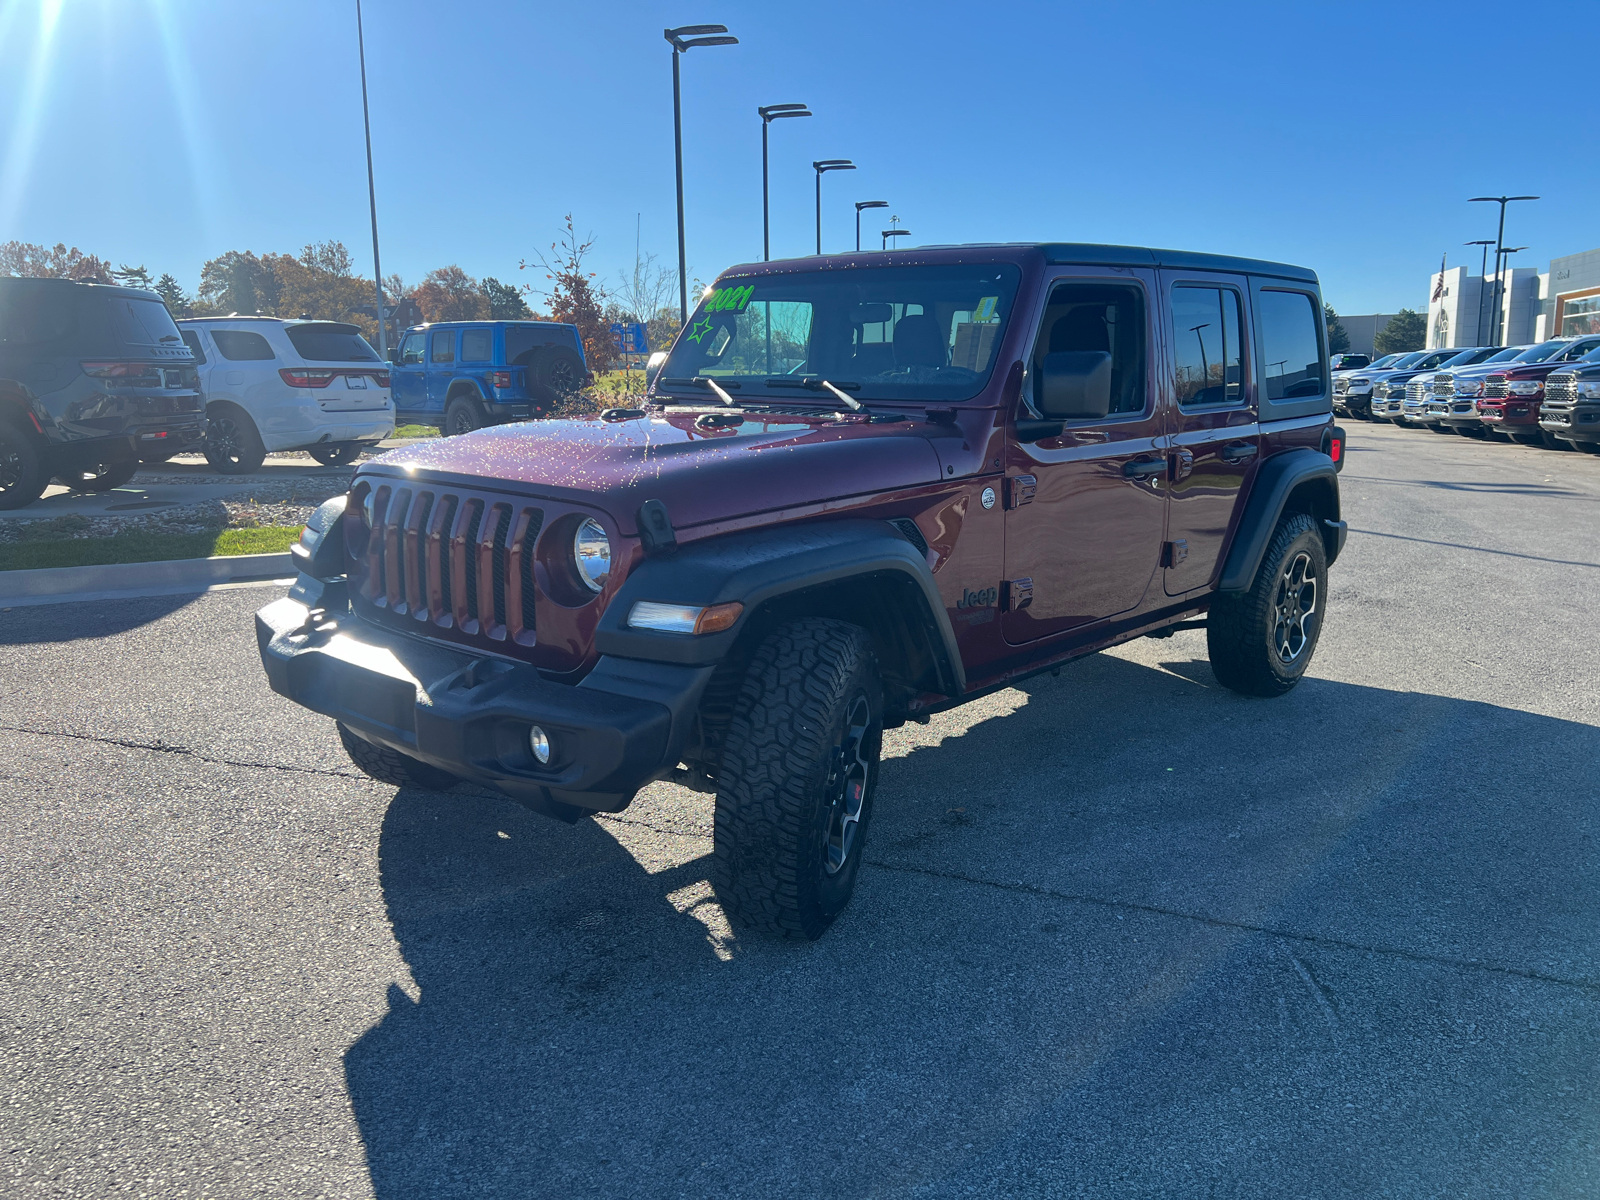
(1123,931)
(73,621)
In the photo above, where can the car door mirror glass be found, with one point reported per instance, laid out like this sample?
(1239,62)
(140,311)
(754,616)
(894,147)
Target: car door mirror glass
(1075,384)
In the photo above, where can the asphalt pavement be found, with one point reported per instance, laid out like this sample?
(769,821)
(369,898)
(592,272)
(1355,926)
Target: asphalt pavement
(1120,933)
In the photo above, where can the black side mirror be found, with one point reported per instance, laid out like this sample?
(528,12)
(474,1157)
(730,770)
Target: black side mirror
(1075,384)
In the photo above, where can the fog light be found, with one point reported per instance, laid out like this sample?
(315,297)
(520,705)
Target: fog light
(539,743)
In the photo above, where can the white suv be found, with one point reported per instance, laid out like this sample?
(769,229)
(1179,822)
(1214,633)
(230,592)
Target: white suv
(272,384)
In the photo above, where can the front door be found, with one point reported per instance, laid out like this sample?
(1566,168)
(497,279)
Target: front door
(406,385)
(1215,438)
(1086,510)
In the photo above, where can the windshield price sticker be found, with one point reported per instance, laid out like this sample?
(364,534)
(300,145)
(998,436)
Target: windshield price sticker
(729,299)
(985,313)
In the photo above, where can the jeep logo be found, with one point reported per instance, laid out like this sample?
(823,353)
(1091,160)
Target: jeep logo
(979,599)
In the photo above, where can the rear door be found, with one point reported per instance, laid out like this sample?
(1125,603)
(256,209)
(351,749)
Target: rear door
(1086,511)
(1215,437)
(441,366)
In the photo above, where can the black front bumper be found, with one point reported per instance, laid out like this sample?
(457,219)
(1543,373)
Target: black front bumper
(622,727)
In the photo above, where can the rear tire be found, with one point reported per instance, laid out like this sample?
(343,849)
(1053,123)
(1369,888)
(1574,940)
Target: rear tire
(461,416)
(795,782)
(103,477)
(233,445)
(392,767)
(22,474)
(340,454)
(1261,642)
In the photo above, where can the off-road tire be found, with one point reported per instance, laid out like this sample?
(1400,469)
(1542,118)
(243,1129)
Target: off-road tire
(392,767)
(802,746)
(560,370)
(103,477)
(337,454)
(22,474)
(233,445)
(1243,631)
(461,416)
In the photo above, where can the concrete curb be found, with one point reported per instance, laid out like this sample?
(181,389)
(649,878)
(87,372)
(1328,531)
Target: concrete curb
(171,577)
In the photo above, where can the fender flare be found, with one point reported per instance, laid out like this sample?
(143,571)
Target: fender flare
(463,383)
(17,399)
(1275,482)
(758,568)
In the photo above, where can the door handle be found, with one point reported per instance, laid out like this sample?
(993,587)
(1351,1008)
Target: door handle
(1238,452)
(1143,468)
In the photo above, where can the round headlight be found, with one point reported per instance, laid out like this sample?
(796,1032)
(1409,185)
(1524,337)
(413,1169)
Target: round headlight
(591,554)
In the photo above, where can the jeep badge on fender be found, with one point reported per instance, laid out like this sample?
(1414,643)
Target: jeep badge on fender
(741,584)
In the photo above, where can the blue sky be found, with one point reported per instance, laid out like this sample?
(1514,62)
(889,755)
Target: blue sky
(165,132)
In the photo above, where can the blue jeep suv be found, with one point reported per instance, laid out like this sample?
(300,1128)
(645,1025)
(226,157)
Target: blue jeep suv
(463,375)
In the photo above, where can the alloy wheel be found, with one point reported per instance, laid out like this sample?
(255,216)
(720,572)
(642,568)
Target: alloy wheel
(1294,608)
(222,435)
(848,779)
(563,378)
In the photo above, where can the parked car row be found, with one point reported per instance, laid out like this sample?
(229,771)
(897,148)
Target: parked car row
(95,380)
(1545,394)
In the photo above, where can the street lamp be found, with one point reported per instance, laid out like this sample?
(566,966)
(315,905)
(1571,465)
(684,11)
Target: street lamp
(893,233)
(860,204)
(686,37)
(1483,278)
(822,168)
(372,193)
(1499,240)
(769,114)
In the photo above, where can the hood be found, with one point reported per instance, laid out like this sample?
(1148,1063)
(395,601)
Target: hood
(700,472)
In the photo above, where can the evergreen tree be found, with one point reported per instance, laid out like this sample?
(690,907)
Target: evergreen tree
(170,290)
(128,276)
(1406,331)
(505,302)
(1338,339)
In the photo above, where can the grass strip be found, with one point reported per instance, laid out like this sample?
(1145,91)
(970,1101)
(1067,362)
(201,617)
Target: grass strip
(142,546)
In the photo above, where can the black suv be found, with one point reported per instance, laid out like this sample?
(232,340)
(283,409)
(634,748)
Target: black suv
(92,379)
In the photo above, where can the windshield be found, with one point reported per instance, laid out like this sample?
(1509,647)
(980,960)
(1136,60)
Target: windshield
(886,333)
(1509,354)
(1407,360)
(1543,351)
(1465,359)
(1388,360)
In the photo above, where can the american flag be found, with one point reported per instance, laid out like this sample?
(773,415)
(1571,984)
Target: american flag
(1438,288)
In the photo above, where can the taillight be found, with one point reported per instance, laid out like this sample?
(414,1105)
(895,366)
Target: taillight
(305,377)
(381,378)
(126,374)
(500,379)
(1336,448)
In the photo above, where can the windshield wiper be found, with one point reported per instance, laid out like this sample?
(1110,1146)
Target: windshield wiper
(817,385)
(704,381)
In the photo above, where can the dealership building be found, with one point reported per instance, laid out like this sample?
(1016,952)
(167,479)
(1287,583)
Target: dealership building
(1533,306)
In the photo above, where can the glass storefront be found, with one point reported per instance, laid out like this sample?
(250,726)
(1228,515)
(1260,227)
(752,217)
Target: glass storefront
(1580,316)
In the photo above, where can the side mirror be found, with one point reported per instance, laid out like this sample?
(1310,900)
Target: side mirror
(1075,384)
(652,368)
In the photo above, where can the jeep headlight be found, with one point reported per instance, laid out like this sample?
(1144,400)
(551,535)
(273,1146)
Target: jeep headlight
(1526,387)
(591,554)
(1589,389)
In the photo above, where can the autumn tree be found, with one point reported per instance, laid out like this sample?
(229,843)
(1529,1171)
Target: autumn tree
(239,282)
(645,297)
(574,297)
(33,261)
(450,294)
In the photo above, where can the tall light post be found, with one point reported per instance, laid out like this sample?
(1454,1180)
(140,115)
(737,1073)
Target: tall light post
(860,204)
(1483,279)
(372,191)
(893,233)
(1501,265)
(1499,240)
(822,168)
(686,37)
(769,114)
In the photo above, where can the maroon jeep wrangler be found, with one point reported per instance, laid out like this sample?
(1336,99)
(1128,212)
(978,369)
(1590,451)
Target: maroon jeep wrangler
(862,489)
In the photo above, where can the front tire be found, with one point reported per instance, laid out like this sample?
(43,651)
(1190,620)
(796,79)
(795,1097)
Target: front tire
(22,474)
(390,766)
(233,444)
(1261,642)
(796,778)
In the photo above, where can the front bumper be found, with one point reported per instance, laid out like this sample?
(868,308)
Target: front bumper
(1459,412)
(1577,422)
(622,727)
(1510,413)
(1419,414)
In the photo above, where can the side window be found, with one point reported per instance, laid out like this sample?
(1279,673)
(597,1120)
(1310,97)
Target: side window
(443,346)
(1578,349)
(1206,346)
(477,345)
(1097,317)
(411,349)
(1293,359)
(191,339)
(238,346)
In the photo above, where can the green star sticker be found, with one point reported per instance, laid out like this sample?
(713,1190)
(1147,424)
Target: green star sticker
(699,329)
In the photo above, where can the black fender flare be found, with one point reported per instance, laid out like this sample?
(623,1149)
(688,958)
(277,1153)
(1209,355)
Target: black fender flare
(464,385)
(760,567)
(1276,481)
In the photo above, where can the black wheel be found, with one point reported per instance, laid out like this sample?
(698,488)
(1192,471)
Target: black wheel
(22,475)
(795,784)
(339,454)
(1441,428)
(390,766)
(102,477)
(560,370)
(461,416)
(1261,642)
(1551,442)
(233,445)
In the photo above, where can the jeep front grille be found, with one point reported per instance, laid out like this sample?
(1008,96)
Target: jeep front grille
(1561,388)
(448,559)
(1496,388)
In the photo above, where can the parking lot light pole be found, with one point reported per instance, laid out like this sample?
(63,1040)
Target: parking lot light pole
(860,204)
(893,233)
(1499,240)
(1483,279)
(822,168)
(769,114)
(686,37)
(372,193)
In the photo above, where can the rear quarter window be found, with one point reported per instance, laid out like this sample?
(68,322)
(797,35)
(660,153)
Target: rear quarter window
(477,345)
(30,316)
(236,345)
(1294,369)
